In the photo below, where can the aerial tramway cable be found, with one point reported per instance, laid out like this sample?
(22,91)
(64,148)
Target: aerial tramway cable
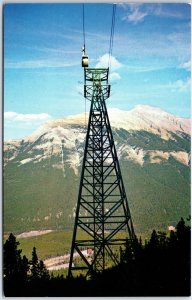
(110,42)
(83,26)
(84,50)
(111,36)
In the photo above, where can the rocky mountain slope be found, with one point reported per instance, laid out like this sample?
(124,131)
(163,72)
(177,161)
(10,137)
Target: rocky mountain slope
(41,174)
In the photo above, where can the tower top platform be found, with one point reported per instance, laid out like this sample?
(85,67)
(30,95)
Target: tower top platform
(96,83)
(96,74)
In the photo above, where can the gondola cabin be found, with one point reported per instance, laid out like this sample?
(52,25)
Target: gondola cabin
(84,61)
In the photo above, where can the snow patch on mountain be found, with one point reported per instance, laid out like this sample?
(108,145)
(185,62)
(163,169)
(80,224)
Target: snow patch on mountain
(74,161)
(129,153)
(25,161)
(151,119)
(139,156)
(156,157)
(142,117)
(64,138)
(182,157)
(11,150)
(64,142)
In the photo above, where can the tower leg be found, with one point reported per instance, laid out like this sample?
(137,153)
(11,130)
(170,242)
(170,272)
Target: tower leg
(103,221)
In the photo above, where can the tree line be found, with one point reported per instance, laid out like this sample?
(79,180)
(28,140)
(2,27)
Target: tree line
(160,266)
(18,268)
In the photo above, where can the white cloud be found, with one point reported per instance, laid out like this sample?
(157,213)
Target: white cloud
(180,85)
(50,50)
(145,68)
(186,65)
(138,12)
(34,64)
(11,116)
(168,11)
(103,62)
(136,16)
(17,125)
(115,76)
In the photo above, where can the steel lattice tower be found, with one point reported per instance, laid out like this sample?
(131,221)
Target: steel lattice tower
(102,208)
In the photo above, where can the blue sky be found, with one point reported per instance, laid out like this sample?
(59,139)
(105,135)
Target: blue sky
(43,78)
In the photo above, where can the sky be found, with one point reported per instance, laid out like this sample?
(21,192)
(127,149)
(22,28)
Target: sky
(43,77)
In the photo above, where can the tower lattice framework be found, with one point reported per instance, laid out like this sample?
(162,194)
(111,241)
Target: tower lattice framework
(102,212)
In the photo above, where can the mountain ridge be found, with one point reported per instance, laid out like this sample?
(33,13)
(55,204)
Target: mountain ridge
(42,171)
(128,120)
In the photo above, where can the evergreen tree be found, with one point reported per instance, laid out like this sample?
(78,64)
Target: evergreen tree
(11,258)
(25,267)
(38,269)
(43,272)
(34,265)
(154,240)
(183,231)
(126,255)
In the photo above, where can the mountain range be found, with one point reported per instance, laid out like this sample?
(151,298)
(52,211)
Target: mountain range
(42,171)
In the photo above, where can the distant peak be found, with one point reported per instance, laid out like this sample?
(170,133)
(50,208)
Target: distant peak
(147,108)
(141,117)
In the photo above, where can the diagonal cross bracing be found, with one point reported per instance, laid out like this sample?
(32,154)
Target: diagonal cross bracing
(102,208)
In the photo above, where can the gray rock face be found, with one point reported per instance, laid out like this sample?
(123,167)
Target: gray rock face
(41,174)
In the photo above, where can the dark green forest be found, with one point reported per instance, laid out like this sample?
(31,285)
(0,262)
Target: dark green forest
(160,266)
(158,193)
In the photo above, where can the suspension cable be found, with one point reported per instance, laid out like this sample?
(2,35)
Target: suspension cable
(112,36)
(110,42)
(85,112)
(84,50)
(83,26)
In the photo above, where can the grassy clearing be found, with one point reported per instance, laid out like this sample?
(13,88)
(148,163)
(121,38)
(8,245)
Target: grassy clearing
(48,245)
(52,244)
